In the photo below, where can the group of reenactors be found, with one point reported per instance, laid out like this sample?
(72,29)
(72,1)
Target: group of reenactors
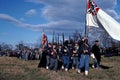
(70,55)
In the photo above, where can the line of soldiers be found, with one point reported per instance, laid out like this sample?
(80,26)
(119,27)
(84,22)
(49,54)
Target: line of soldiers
(69,55)
(24,54)
(28,54)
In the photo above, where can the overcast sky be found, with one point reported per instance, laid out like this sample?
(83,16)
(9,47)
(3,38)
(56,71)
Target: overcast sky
(24,20)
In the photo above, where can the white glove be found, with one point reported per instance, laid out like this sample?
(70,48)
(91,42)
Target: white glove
(92,55)
(65,50)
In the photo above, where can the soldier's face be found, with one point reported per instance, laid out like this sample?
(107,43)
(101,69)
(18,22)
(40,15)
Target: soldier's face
(76,44)
(97,43)
(54,46)
(49,45)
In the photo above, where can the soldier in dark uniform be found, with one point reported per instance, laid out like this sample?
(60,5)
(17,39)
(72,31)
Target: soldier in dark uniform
(54,58)
(65,57)
(85,56)
(43,60)
(45,57)
(96,52)
(60,62)
(75,56)
(0,48)
(49,50)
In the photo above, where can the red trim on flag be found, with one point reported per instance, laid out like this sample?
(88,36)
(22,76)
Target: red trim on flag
(97,9)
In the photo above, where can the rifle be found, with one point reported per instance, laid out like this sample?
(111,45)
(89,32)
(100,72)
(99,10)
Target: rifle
(63,37)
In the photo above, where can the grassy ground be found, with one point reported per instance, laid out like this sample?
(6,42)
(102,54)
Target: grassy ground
(16,69)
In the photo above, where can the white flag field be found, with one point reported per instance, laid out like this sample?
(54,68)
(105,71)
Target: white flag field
(95,15)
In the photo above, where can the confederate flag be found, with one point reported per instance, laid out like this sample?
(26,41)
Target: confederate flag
(44,39)
(97,17)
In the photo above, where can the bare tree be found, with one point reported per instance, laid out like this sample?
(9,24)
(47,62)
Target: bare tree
(4,46)
(20,45)
(106,39)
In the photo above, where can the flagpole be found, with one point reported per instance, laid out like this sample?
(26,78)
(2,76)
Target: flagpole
(86,19)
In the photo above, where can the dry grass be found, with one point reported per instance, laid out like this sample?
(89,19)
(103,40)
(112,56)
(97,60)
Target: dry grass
(15,69)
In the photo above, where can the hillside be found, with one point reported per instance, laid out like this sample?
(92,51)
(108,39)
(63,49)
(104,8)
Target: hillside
(12,68)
